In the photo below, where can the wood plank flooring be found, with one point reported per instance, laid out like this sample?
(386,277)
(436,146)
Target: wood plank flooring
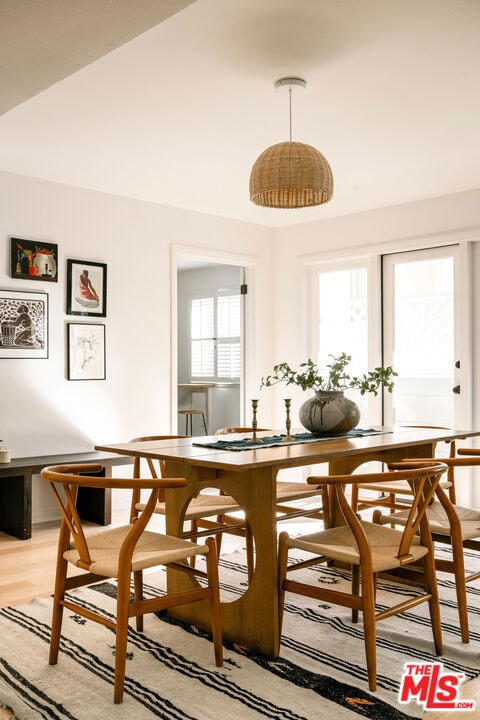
(27,567)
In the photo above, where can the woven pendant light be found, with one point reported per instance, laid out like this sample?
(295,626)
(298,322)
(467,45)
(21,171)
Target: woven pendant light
(291,174)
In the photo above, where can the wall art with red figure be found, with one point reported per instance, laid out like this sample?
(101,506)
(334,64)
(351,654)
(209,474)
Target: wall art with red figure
(33,260)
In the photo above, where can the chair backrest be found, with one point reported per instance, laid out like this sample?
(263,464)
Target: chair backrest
(71,477)
(155,471)
(469,459)
(423,479)
(64,475)
(452,454)
(150,462)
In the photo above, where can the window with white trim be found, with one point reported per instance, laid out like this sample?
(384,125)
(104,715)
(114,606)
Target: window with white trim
(215,337)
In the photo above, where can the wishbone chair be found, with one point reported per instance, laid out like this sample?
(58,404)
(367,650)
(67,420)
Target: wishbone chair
(370,549)
(121,552)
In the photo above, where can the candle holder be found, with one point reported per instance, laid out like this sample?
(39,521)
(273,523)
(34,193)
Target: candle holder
(254,439)
(288,423)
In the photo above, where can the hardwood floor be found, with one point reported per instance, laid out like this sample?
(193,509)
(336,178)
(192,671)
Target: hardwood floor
(27,570)
(27,567)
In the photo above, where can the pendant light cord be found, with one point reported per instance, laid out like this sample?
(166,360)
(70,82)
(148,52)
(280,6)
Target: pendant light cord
(290,109)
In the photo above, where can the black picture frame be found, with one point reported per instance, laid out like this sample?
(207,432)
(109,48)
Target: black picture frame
(33,260)
(23,324)
(86,288)
(86,357)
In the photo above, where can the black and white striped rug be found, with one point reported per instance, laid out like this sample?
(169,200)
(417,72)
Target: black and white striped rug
(171,674)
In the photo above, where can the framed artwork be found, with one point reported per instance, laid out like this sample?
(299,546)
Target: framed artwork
(23,324)
(86,351)
(33,260)
(86,288)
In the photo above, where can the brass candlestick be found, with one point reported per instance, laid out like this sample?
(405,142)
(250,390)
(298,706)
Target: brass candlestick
(254,438)
(288,423)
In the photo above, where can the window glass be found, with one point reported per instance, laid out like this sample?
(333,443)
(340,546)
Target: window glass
(215,337)
(343,321)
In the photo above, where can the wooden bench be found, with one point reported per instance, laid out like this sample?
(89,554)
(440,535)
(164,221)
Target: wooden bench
(16,490)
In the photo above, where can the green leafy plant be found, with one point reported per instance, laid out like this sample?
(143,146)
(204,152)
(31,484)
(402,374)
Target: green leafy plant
(309,376)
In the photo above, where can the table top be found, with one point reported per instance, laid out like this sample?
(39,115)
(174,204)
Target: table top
(185,450)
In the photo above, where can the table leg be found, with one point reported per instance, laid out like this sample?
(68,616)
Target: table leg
(252,619)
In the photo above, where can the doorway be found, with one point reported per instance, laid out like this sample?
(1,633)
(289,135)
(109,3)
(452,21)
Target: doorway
(210,342)
(402,309)
(420,324)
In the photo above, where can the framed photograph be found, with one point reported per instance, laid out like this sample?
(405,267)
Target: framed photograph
(86,288)
(23,324)
(33,260)
(86,351)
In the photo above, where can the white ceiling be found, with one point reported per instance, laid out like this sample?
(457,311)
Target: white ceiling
(178,114)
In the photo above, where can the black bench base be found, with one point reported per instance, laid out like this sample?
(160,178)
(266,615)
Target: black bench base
(16,490)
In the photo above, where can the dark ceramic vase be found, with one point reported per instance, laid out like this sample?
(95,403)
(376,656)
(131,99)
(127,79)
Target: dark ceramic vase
(329,412)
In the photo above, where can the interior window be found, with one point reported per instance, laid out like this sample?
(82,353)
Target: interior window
(215,336)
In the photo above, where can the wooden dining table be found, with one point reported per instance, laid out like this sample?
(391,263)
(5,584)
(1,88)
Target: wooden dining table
(249,475)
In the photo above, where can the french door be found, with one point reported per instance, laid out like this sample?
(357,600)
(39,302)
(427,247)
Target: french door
(407,310)
(420,336)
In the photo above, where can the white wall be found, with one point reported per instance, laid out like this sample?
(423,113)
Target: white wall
(41,411)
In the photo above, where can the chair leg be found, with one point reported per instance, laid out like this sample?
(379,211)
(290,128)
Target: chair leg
(138,593)
(59,593)
(326,508)
(433,604)
(193,529)
(392,500)
(219,536)
(282,574)
(355,589)
(57,611)
(121,633)
(369,629)
(459,574)
(204,423)
(249,546)
(213,582)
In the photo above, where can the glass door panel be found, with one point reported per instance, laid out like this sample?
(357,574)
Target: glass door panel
(419,336)
(343,321)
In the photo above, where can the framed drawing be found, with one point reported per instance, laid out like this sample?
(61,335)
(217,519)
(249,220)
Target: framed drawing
(33,260)
(86,351)
(86,288)
(23,324)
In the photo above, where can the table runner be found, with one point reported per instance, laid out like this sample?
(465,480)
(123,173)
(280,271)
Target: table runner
(279,441)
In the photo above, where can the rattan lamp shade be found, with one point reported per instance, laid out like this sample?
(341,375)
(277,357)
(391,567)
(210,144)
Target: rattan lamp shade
(291,175)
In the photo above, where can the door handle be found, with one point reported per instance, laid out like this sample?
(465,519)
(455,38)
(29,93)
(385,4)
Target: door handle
(456,389)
